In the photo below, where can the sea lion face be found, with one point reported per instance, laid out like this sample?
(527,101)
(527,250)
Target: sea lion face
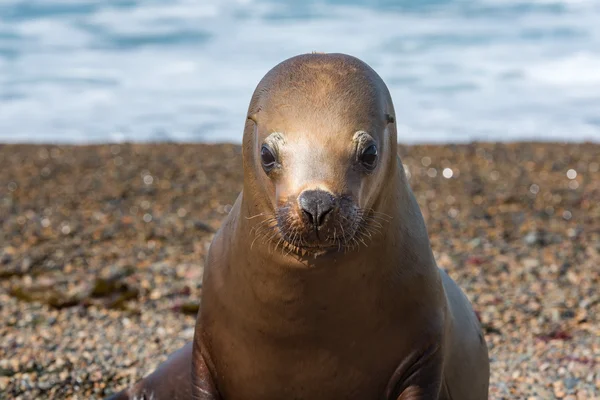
(320,191)
(323,149)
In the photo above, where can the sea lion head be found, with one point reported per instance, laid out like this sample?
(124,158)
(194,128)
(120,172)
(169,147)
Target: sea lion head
(319,153)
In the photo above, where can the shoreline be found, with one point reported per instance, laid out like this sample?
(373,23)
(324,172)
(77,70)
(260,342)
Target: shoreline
(102,248)
(594,141)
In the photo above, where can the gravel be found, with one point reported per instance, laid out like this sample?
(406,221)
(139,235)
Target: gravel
(102,249)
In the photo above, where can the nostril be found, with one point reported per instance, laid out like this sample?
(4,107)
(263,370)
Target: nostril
(308,207)
(308,215)
(322,214)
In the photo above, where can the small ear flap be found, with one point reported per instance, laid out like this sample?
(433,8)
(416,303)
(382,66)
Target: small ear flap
(390,118)
(252,117)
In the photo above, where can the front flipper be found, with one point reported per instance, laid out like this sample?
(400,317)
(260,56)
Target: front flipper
(418,377)
(202,385)
(172,380)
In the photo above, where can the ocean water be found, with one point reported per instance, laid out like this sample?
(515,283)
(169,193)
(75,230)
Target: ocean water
(90,71)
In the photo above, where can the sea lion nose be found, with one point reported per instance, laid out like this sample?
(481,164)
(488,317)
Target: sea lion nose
(316,205)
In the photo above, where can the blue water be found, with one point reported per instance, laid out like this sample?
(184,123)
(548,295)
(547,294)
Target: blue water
(93,71)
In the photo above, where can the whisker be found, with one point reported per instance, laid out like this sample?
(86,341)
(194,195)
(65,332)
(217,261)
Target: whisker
(254,216)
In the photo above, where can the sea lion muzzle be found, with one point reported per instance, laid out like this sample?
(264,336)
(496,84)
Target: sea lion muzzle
(319,220)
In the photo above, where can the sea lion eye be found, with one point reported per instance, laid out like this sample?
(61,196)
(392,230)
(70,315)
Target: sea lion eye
(267,157)
(368,158)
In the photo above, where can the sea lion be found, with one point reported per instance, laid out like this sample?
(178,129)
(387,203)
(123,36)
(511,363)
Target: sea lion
(321,282)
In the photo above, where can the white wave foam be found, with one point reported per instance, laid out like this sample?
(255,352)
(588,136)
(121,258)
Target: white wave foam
(580,69)
(453,77)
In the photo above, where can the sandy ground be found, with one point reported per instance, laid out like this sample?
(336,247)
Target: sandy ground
(102,249)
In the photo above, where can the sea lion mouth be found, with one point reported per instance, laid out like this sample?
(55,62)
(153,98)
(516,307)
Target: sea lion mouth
(346,228)
(337,224)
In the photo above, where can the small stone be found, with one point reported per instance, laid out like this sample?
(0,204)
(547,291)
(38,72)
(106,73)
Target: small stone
(202,226)
(570,383)
(531,238)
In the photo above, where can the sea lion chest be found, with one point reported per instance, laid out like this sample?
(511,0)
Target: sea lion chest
(306,334)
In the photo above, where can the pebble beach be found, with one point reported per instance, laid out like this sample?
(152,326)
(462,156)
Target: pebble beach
(102,252)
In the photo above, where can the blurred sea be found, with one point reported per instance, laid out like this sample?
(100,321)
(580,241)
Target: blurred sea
(89,71)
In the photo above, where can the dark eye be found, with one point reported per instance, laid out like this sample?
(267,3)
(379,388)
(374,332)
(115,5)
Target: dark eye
(369,157)
(267,157)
